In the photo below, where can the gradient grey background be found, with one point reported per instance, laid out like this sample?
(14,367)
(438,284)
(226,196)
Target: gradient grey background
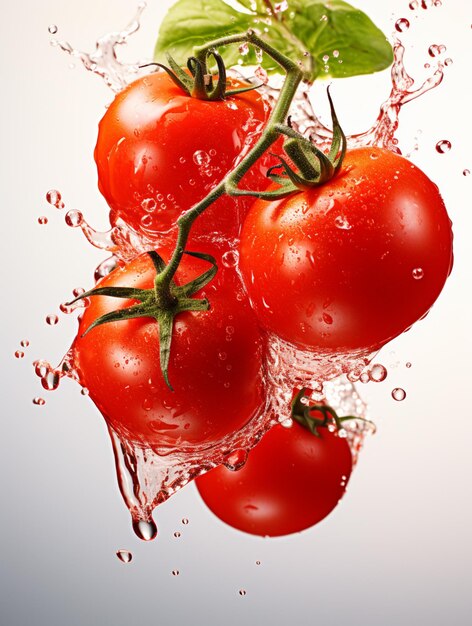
(397,550)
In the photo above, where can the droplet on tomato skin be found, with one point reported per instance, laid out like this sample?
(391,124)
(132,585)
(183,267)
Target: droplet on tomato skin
(74,218)
(236,459)
(19,354)
(398,394)
(146,221)
(402,25)
(443,146)
(418,273)
(124,556)
(230,258)
(145,529)
(378,373)
(39,401)
(52,319)
(200,157)
(42,220)
(148,205)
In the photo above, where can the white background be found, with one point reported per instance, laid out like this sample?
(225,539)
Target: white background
(398,548)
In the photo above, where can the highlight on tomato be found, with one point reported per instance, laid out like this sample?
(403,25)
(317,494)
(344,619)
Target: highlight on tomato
(348,265)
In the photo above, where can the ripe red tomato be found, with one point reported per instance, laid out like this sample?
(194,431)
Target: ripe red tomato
(160,151)
(291,481)
(351,264)
(215,362)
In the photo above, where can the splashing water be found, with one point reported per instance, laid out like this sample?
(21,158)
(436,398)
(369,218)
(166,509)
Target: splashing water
(148,477)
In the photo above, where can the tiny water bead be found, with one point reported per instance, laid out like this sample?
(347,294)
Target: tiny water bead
(200,157)
(443,146)
(52,319)
(145,529)
(418,273)
(413,5)
(74,218)
(408,364)
(378,373)
(242,592)
(124,556)
(258,562)
(185,521)
(448,62)
(466,172)
(402,25)
(55,199)
(84,391)
(24,343)
(177,534)
(42,220)
(398,394)
(52,29)
(280,7)
(19,354)
(175,572)
(39,401)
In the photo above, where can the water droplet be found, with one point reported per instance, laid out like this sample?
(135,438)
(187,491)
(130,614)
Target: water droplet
(243,49)
(413,5)
(402,25)
(39,401)
(448,62)
(175,572)
(145,529)
(235,460)
(417,273)
(146,221)
(466,173)
(19,354)
(148,205)
(84,391)
(52,319)
(434,50)
(443,146)
(52,29)
(398,394)
(377,373)
(408,364)
(24,343)
(280,7)
(185,521)
(177,534)
(54,197)
(342,223)
(74,218)
(42,220)
(425,4)
(230,258)
(335,54)
(364,377)
(242,592)
(258,562)
(342,433)
(200,157)
(125,556)
(182,160)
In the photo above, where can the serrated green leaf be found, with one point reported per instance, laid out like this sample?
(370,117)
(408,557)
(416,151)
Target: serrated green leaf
(307,31)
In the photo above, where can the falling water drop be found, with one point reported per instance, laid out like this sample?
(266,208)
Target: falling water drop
(39,401)
(443,146)
(398,394)
(124,555)
(402,25)
(19,354)
(52,29)
(52,319)
(42,220)
(378,373)
(145,529)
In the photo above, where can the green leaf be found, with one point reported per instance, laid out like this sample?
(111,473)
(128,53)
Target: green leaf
(307,31)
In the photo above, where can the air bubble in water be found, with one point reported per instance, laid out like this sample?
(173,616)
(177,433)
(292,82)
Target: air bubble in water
(402,25)
(398,394)
(52,29)
(39,401)
(52,319)
(418,273)
(377,373)
(448,62)
(200,157)
(434,50)
(230,258)
(74,218)
(19,354)
(42,220)
(125,556)
(443,146)
(145,529)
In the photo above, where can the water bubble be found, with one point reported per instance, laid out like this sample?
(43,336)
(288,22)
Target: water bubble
(182,160)
(74,218)
(52,29)
(148,205)
(52,319)
(145,529)
(200,157)
(236,459)
(230,258)
(42,220)
(39,401)
(466,173)
(24,343)
(175,572)
(325,58)
(177,534)
(378,373)
(364,377)
(342,223)
(19,354)
(418,273)
(402,25)
(124,555)
(398,394)
(146,221)
(184,521)
(443,146)
(242,592)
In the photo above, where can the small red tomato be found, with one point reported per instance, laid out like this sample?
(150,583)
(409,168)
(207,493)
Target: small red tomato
(291,481)
(215,362)
(351,264)
(160,151)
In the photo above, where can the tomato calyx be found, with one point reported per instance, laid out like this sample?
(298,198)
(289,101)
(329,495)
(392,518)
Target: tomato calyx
(199,82)
(163,303)
(316,416)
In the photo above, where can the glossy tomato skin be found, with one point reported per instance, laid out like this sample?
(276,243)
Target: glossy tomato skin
(215,363)
(160,151)
(353,263)
(291,481)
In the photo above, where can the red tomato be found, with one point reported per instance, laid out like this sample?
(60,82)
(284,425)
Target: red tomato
(291,481)
(353,263)
(160,151)
(215,362)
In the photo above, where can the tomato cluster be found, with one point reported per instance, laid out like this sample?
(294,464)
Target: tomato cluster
(339,268)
